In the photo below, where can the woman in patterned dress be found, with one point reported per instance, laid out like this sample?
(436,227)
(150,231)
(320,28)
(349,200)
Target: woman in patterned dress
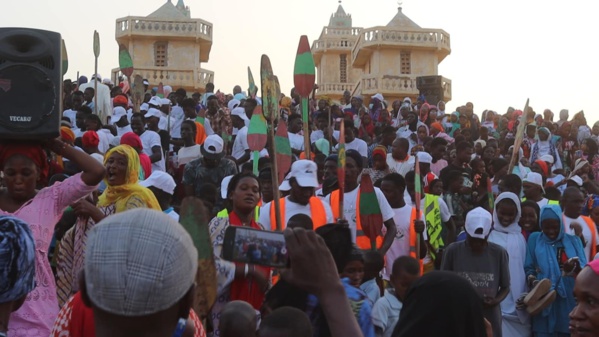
(122,193)
(25,165)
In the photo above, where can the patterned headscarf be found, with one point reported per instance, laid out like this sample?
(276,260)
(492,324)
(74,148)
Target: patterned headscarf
(17,259)
(67,134)
(380,150)
(120,195)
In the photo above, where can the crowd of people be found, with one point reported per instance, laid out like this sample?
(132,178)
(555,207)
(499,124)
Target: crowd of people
(502,241)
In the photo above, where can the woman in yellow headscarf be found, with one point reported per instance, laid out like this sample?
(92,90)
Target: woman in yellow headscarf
(122,193)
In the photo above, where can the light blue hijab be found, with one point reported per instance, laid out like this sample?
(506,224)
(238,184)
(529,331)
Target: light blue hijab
(542,262)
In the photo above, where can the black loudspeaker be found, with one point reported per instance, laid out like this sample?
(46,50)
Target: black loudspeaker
(431,87)
(30,83)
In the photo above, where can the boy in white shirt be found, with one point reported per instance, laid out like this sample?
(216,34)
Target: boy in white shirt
(386,311)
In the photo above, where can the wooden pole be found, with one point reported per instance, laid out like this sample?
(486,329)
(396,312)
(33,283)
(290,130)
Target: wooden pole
(519,137)
(417,197)
(341,169)
(96,55)
(270,110)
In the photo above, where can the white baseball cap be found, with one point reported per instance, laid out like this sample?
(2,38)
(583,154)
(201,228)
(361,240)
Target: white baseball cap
(240,112)
(117,113)
(547,158)
(378,96)
(224,186)
(285,184)
(213,147)
(534,178)
(577,180)
(305,173)
(424,157)
(161,180)
(144,107)
(153,112)
(155,101)
(165,101)
(478,223)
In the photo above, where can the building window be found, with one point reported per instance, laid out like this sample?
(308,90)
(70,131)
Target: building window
(406,64)
(343,68)
(160,54)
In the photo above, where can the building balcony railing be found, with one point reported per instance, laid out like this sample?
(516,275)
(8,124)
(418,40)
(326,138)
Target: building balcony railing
(332,31)
(431,39)
(335,90)
(186,78)
(320,47)
(404,85)
(142,26)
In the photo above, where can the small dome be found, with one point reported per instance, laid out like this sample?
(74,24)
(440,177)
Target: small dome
(401,20)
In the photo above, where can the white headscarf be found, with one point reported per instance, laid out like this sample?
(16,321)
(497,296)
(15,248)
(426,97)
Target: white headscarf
(522,170)
(512,240)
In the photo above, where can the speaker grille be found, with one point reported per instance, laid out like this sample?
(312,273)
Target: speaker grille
(47,62)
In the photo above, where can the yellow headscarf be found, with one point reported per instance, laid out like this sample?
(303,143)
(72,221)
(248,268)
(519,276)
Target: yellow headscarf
(119,195)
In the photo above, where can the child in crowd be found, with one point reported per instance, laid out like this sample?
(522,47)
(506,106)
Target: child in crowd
(436,187)
(385,313)
(351,276)
(238,319)
(454,182)
(529,221)
(301,220)
(286,321)
(373,265)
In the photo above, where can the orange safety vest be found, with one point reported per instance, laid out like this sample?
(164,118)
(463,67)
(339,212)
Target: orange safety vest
(361,240)
(591,225)
(200,134)
(317,213)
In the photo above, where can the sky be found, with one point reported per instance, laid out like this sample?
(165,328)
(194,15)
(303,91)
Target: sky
(503,52)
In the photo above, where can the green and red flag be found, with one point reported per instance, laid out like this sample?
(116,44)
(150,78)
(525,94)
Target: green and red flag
(257,136)
(304,76)
(270,107)
(194,218)
(417,197)
(341,169)
(282,147)
(125,61)
(252,90)
(270,101)
(257,131)
(283,153)
(370,211)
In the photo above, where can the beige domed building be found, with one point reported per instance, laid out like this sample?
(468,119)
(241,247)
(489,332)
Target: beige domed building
(168,46)
(383,59)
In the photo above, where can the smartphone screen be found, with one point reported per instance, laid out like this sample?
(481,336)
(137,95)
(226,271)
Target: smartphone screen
(248,245)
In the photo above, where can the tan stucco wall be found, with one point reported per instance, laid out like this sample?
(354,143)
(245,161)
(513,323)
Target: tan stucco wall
(387,62)
(180,54)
